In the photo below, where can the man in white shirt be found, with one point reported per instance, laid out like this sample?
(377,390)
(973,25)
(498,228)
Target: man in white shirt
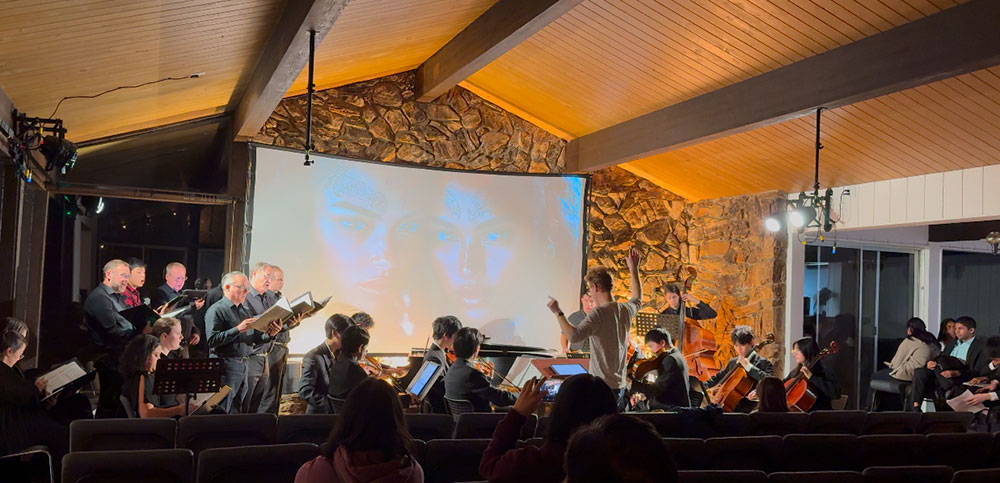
(607,326)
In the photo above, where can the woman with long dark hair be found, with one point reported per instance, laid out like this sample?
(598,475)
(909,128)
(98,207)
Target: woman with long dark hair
(913,352)
(137,364)
(946,334)
(771,394)
(370,442)
(581,399)
(821,383)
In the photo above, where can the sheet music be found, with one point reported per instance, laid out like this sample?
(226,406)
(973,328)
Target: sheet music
(303,303)
(278,311)
(63,375)
(961,403)
(211,400)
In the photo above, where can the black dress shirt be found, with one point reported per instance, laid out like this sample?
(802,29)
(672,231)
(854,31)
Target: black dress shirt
(108,329)
(314,386)
(224,337)
(345,375)
(463,381)
(701,312)
(211,298)
(671,387)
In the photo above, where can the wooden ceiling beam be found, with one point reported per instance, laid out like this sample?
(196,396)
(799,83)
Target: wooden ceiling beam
(501,28)
(956,41)
(285,54)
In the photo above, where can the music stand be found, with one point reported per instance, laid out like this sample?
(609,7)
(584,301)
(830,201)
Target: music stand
(645,321)
(187,376)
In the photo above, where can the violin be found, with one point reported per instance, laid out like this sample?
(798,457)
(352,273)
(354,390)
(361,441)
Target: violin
(738,384)
(797,394)
(640,367)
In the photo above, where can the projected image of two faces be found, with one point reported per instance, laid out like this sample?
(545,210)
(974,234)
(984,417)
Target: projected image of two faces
(414,244)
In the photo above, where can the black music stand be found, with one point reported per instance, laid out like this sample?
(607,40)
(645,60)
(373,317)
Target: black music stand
(645,321)
(187,376)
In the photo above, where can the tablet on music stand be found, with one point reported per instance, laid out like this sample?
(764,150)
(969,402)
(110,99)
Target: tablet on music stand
(568,369)
(426,376)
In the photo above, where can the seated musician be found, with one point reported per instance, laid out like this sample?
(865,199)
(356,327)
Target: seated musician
(820,382)
(701,310)
(444,331)
(315,382)
(137,365)
(346,372)
(670,389)
(465,382)
(757,366)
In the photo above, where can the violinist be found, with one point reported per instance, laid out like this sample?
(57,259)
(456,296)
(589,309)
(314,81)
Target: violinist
(444,330)
(670,388)
(346,372)
(465,382)
(700,311)
(821,383)
(757,366)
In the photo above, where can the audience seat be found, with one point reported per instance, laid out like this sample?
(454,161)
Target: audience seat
(778,424)
(34,464)
(761,453)
(945,422)
(272,463)
(976,476)
(199,433)
(893,422)
(891,449)
(419,450)
(716,476)
(430,426)
(449,460)
(908,474)
(961,451)
(688,453)
(837,422)
(731,424)
(815,477)
(122,434)
(542,428)
(481,425)
(821,452)
(154,465)
(667,424)
(305,428)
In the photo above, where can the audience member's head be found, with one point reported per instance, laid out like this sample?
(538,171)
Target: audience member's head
(140,355)
(444,330)
(363,320)
(947,332)
(335,327)
(658,339)
(581,399)
(371,421)
(15,325)
(168,331)
(804,351)
(116,273)
(598,280)
(771,394)
(965,328)
(12,345)
(618,448)
(353,342)
(137,273)
(917,329)
(467,342)
(742,336)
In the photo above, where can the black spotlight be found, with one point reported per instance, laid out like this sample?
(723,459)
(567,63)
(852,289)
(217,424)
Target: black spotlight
(59,154)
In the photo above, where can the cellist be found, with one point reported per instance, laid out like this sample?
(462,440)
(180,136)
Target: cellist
(821,382)
(701,310)
(671,387)
(757,366)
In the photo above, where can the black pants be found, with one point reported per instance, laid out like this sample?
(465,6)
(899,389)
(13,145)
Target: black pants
(276,360)
(926,383)
(108,402)
(256,380)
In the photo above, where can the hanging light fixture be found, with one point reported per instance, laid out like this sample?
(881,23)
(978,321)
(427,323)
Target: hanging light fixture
(993,238)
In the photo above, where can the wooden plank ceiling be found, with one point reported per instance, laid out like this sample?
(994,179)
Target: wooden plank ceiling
(55,48)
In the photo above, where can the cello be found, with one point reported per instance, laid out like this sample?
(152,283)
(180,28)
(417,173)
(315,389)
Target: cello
(698,345)
(797,394)
(738,384)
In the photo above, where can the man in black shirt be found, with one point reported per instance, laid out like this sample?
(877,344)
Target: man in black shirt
(314,385)
(346,373)
(465,382)
(110,332)
(757,366)
(444,331)
(277,356)
(227,325)
(259,299)
(670,388)
(174,277)
(701,310)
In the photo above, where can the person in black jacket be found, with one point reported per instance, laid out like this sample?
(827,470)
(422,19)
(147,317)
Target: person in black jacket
(314,386)
(174,278)
(757,366)
(701,310)
(962,359)
(346,372)
(444,330)
(465,382)
(23,418)
(670,388)
(820,382)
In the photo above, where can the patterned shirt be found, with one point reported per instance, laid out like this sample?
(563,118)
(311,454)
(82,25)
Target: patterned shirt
(131,297)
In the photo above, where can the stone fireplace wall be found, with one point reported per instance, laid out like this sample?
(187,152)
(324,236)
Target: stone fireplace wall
(740,267)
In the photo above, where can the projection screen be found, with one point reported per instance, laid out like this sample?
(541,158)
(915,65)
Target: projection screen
(408,244)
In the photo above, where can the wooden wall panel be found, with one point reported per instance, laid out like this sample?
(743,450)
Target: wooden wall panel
(972,192)
(952,190)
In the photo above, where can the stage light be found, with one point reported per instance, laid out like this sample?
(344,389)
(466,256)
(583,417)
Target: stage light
(801,216)
(59,154)
(773,223)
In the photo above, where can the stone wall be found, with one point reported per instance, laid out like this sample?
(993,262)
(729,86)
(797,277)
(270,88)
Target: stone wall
(740,268)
